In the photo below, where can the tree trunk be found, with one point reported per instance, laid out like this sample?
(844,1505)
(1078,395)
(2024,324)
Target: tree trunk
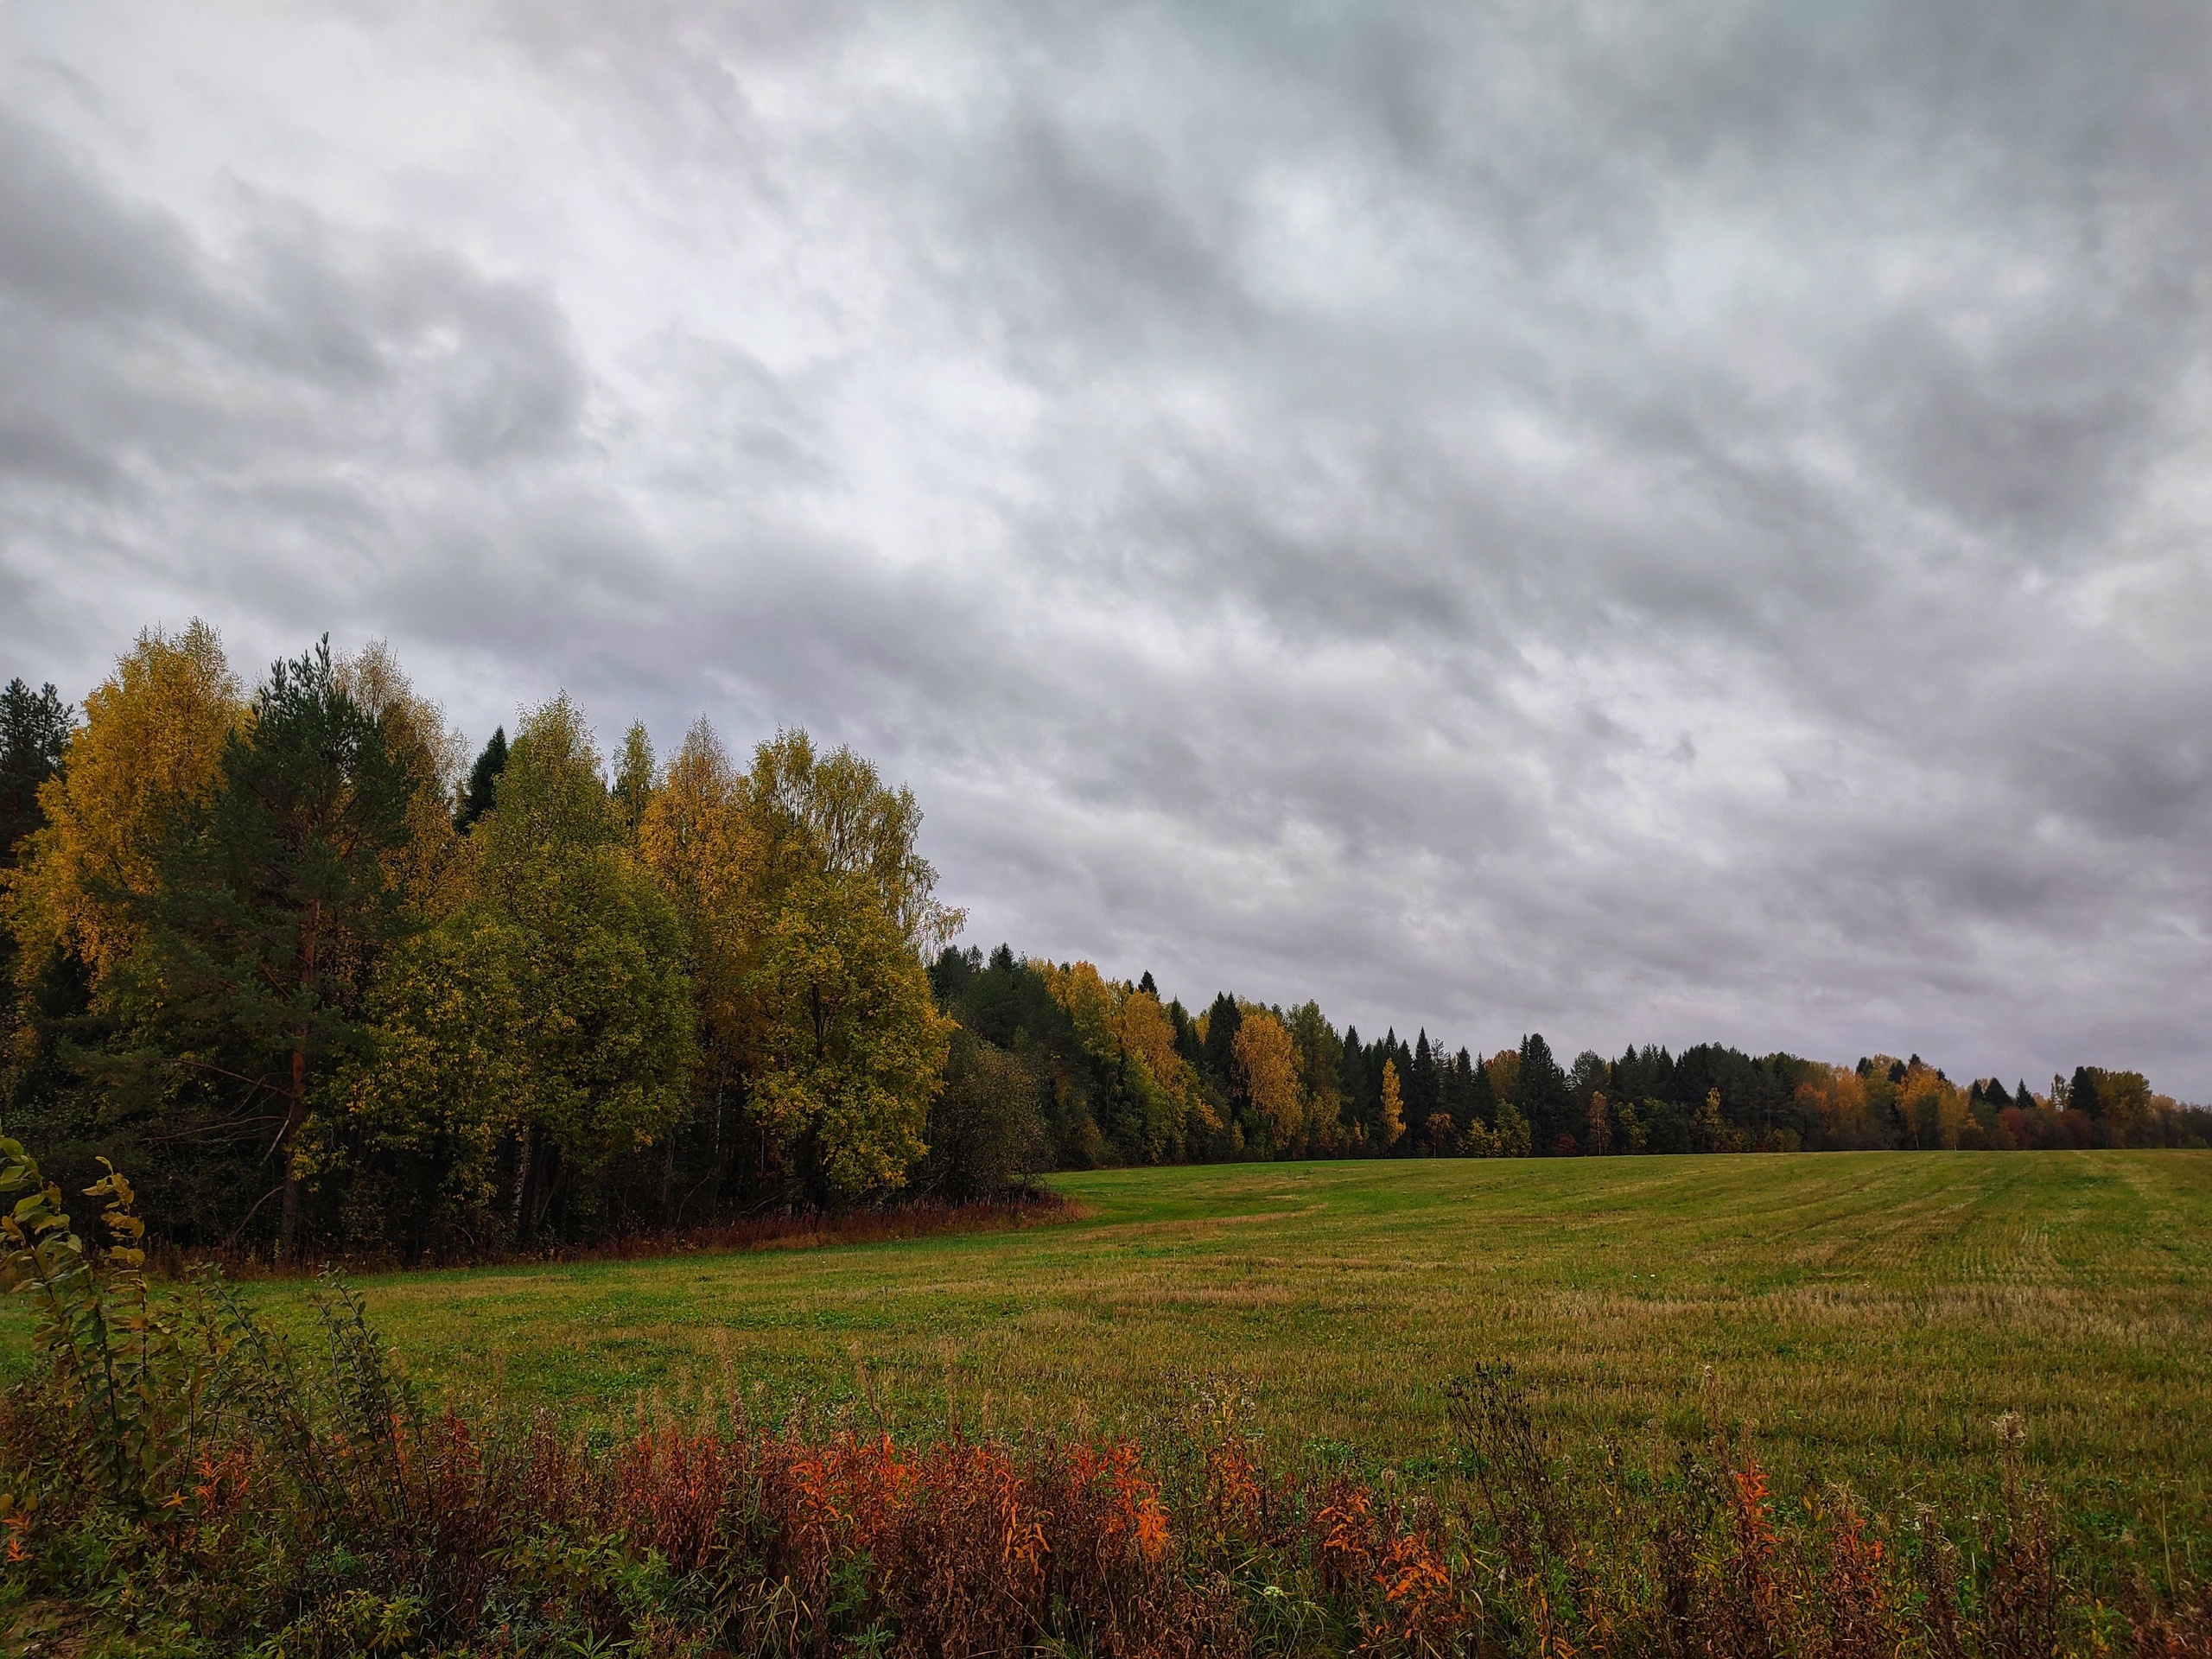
(296,1109)
(522,1176)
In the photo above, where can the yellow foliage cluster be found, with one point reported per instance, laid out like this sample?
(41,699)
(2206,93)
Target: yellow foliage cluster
(1119,1021)
(808,911)
(152,744)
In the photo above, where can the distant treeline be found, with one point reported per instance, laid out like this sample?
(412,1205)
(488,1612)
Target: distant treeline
(1126,1078)
(319,982)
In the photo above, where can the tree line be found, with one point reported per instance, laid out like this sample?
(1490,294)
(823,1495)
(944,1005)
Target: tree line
(1123,1077)
(320,981)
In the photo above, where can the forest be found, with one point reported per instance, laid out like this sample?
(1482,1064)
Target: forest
(324,982)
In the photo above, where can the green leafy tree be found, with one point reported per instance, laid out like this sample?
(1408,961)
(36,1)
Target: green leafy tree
(421,1119)
(985,1132)
(636,778)
(604,1038)
(852,1045)
(845,1044)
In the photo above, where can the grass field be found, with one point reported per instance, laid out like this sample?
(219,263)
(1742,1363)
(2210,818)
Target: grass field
(1868,1316)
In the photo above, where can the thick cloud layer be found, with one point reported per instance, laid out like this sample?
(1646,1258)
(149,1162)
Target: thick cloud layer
(1505,518)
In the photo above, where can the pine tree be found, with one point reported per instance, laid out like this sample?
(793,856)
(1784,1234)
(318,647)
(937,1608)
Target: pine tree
(1355,1083)
(1544,1100)
(35,729)
(1425,1092)
(1482,1098)
(483,790)
(1221,1021)
(275,905)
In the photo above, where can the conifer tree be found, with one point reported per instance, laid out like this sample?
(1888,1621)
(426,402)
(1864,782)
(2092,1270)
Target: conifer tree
(483,790)
(35,728)
(1424,1087)
(2081,1095)
(273,908)
(1544,1100)
(1221,1021)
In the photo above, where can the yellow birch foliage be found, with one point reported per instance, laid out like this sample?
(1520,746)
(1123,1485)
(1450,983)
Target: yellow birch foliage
(1933,1110)
(853,1047)
(432,867)
(1149,1036)
(1266,1067)
(1093,1006)
(843,1047)
(1837,1094)
(1111,1020)
(1394,1105)
(152,744)
(695,838)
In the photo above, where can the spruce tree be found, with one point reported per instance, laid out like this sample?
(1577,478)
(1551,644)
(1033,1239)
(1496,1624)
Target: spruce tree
(1353,1083)
(1424,1088)
(1544,1100)
(35,728)
(1221,1021)
(483,781)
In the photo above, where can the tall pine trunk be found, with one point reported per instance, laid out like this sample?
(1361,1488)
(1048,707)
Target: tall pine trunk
(296,1108)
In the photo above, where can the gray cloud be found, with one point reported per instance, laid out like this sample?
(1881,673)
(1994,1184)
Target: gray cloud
(1646,527)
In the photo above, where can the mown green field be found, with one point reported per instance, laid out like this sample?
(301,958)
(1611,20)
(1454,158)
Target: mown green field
(1868,1317)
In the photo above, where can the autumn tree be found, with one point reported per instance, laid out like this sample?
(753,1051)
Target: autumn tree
(1931,1107)
(1320,1060)
(848,1045)
(421,1119)
(429,866)
(695,837)
(151,748)
(1835,1098)
(35,729)
(1146,1093)
(1598,1139)
(1264,1066)
(1394,1106)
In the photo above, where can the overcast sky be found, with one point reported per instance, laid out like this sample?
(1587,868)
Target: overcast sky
(1647,526)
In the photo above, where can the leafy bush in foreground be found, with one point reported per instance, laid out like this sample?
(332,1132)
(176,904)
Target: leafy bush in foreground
(183,1481)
